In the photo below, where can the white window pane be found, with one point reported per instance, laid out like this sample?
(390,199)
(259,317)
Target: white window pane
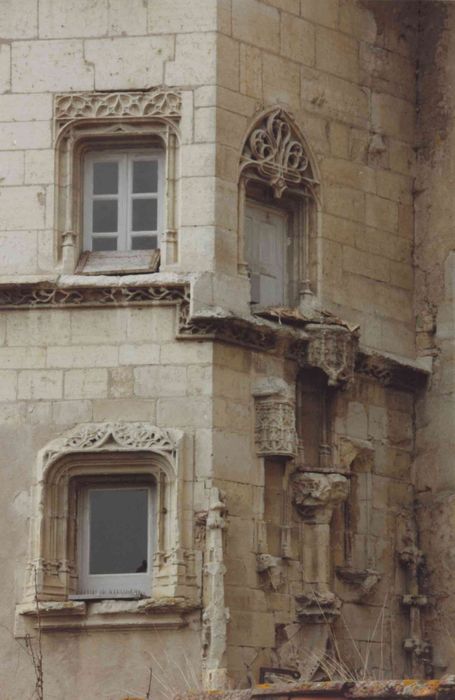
(104,243)
(105,178)
(145,215)
(118,531)
(105,216)
(145,176)
(144,243)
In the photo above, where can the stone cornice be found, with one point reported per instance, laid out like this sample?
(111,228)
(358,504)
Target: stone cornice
(52,295)
(325,342)
(391,372)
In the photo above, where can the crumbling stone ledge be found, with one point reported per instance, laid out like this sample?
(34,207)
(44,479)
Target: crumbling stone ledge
(443,689)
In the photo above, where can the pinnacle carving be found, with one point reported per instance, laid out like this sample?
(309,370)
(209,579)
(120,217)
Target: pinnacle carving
(275,152)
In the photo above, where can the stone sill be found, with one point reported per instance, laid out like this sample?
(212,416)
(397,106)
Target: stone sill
(69,281)
(148,613)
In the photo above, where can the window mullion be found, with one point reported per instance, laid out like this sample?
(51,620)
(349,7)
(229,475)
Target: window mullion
(129,200)
(122,195)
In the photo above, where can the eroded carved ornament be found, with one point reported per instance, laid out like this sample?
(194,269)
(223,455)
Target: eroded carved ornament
(92,437)
(275,432)
(313,491)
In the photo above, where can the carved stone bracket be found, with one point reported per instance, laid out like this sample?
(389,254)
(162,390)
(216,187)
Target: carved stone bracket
(160,102)
(275,151)
(315,495)
(331,348)
(362,580)
(275,432)
(318,608)
(226,329)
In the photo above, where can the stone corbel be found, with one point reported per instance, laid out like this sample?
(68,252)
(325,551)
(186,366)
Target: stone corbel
(363,581)
(329,347)
(272,567)
(315,495)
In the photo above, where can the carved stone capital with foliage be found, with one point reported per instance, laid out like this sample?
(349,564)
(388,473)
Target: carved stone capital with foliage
(315,495)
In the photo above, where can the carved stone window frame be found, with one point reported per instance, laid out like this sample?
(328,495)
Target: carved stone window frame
(276,154)
(102,450)
(111,120)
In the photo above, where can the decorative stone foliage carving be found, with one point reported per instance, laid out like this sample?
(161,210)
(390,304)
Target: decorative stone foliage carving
(331,348)
(275,432)
(93,437)
(115,105)
(276,152)
(315,495)
(51,295)
(104,449)
(226,329)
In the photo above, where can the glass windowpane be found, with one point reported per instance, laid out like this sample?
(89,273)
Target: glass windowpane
(145,176)
(105,178)
(145,215)
(101,243)
(105,216)
(144,243)
(118,531)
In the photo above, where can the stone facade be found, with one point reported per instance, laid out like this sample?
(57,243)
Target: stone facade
(302,452)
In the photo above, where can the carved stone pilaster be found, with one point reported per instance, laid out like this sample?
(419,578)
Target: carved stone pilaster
(275,432)
(315,495)
(215,616)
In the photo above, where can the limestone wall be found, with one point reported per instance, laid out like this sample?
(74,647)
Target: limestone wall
(346,70)
(435,274)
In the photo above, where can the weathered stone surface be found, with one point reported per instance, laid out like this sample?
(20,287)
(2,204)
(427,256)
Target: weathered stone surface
(180,348)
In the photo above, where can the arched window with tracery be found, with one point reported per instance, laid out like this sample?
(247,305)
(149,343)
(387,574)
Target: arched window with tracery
(278,212)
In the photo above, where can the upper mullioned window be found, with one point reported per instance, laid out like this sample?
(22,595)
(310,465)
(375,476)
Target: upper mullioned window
(278,212)
(116,181)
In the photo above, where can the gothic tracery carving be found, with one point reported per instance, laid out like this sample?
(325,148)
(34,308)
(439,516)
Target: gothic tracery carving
(42,295)
(275,432)
(115,105)
(275,152)
(119,436)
